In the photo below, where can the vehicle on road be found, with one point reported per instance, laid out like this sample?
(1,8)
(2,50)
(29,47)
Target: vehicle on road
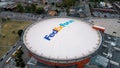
(7,61)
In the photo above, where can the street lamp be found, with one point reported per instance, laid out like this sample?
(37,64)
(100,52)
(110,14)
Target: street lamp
(0,28)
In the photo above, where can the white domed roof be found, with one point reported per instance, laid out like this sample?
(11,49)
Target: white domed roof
(76,39)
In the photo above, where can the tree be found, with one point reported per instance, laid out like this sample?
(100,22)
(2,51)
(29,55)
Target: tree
(33,7)
(20,59)
(16,59)
(20,32)
(69,3)
(17,63)
(18,55)
(53,3)
(20,51)
(4,19)
(22,64)
(59,4)
(30,8)
(19,8)
(40,10)
(113,1)
(27,9)
(57,11)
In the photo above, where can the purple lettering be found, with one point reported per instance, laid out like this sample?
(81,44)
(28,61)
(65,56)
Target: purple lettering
(53,33)
(47,37)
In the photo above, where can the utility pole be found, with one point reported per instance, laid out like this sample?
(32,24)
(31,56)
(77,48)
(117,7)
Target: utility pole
(0,27)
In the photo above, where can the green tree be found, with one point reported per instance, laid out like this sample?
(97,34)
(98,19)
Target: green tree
(33,7)
(27,9)
(30,8)
(20,60)
(16,59)
(53,3)
(3,19)
(22,64)
(19,8)
(20,32)
(17,63)
(69,3)
(18,55)
(21,52)
(113,1)
(40,10)
(59,4)
(57,11)
(96,0)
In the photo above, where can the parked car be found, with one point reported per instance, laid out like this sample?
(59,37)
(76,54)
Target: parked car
(1,59)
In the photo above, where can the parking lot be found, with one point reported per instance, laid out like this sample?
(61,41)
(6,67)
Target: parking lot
(111,25)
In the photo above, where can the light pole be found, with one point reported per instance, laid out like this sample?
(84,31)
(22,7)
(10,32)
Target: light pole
(0,28)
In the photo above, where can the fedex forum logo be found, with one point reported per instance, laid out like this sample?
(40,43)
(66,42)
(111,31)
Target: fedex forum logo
(57,29)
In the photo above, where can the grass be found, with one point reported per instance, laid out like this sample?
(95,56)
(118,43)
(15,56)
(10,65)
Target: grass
(9,34)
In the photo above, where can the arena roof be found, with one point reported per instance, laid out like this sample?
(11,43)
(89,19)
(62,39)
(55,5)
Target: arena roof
(71,39)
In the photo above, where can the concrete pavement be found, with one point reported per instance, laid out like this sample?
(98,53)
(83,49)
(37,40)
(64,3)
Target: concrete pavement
(110,24)
(2,63)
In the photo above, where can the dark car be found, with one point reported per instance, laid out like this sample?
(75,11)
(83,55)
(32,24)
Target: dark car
(1,59)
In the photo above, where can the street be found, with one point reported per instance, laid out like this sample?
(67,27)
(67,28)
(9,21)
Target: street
(2,62)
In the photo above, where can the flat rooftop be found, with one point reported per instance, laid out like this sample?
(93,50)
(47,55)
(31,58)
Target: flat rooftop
(111,25)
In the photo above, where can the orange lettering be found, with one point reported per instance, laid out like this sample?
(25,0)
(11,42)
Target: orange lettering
(58,28)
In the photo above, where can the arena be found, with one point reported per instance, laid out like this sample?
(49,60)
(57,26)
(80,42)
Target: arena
(62,41)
